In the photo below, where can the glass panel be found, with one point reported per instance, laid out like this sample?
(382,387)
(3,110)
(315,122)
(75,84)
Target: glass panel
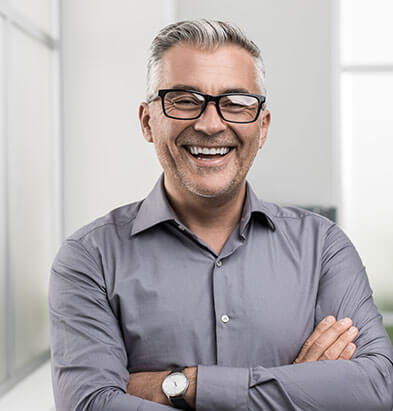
(3,239)
(38,11)
(367,123)
(30,191)
(366,31)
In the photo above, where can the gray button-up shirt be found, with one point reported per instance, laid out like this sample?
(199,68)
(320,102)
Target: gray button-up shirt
(136,290)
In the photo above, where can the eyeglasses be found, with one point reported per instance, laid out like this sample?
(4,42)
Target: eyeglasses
(189,105)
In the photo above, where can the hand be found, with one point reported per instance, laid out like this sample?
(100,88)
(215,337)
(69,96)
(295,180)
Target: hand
(329,341)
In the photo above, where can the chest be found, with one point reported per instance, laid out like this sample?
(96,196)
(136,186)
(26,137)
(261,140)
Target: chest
(176,305)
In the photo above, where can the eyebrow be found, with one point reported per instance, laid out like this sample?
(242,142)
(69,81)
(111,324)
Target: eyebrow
(227,90)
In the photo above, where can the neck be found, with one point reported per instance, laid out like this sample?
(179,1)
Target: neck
(206,214)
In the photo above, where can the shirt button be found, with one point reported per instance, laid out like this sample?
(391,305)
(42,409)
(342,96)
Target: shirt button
(181,227)
(224,318)
(218,263)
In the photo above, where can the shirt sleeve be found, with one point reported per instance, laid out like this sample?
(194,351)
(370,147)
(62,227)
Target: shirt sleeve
(363,383)
(88,356)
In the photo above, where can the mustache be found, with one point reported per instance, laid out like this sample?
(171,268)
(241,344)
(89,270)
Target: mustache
(190,137)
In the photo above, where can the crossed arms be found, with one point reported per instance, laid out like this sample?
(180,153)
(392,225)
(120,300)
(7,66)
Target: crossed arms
(331,340)
(95,377)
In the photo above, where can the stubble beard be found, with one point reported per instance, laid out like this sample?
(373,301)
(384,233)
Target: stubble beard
(185,182)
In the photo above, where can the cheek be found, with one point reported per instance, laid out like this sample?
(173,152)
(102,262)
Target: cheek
(166,131)
(157,126)
(166,140)
(257,137)
(249,137)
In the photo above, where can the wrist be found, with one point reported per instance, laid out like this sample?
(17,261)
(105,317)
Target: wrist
(159,395)
(190,395)
(171,387)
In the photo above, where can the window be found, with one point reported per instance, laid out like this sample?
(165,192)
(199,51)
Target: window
(29,189)
(365,78)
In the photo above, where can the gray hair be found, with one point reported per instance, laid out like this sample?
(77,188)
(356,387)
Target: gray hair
(205,34)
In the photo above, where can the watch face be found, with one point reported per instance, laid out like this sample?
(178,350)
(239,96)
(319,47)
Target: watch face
(175,384)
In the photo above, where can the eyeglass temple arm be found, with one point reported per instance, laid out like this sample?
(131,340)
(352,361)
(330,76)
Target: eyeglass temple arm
(152,98)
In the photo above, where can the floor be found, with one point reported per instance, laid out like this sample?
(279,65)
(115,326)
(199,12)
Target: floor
(33,393)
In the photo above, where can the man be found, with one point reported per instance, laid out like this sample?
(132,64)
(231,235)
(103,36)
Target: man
(201,295)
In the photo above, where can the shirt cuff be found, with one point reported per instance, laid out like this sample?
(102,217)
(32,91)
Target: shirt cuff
(222,388)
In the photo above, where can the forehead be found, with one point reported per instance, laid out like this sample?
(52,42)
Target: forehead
(213,71)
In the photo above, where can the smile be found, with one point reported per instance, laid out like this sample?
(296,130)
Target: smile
(209,156)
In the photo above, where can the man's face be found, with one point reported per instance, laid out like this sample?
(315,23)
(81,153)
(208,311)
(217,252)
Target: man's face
(213,72)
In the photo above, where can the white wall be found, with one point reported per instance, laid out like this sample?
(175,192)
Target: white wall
(296,163)
(107,162)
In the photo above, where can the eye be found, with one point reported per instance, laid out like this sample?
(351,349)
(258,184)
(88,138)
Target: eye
(184,101)
(231,104)
(238,103)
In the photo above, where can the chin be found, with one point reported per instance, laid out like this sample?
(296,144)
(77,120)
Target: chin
(211,191)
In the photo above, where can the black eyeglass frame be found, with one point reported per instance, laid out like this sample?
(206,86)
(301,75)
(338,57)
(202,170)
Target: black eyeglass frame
(207,97)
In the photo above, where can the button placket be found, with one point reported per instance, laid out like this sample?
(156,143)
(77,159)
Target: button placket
(222,308)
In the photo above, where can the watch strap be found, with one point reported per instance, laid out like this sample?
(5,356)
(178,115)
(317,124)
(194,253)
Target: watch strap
(178,369)
(180,402)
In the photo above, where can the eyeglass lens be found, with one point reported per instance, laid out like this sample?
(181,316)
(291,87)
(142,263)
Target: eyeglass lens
(188,105)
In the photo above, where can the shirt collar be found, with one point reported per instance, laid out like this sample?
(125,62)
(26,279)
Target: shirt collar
(155,209)
(254,206)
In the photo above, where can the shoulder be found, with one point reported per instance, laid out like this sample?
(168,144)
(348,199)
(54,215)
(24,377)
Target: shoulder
(115,220)
(285,217)
(302,228)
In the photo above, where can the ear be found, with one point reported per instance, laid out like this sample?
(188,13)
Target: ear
(266,117)
(144,120)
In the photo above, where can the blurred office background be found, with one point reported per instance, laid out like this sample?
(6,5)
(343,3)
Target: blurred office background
(72,74)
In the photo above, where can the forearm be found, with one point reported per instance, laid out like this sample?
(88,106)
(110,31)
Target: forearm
(362,384)
(153,398)
(117,400)
(148,385)
(79,392)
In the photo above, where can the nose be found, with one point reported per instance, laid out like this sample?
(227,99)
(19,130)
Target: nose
(210,122)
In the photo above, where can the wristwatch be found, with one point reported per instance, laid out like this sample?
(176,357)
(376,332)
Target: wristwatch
(175,386)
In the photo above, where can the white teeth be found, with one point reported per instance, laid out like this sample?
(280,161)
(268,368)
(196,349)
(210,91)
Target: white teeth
(205,150)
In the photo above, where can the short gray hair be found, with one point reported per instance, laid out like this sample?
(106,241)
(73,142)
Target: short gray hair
(205,34)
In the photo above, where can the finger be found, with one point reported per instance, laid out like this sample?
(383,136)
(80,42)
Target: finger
(319,330)
(322,343)
(334,351)
(348,352)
